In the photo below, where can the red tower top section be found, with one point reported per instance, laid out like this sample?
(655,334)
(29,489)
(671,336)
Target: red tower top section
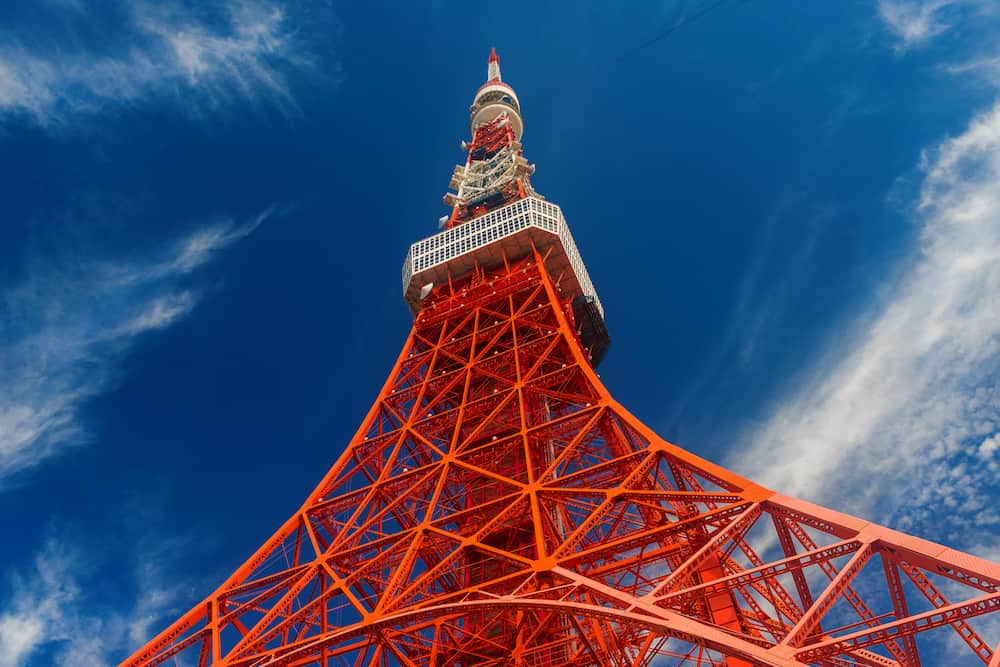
(496,216)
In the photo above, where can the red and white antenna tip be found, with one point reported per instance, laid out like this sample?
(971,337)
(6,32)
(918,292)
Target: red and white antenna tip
(493,69)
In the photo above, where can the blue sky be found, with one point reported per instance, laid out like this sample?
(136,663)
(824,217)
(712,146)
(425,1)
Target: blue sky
(791,212)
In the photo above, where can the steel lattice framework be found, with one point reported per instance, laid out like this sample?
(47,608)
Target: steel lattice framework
(498,507)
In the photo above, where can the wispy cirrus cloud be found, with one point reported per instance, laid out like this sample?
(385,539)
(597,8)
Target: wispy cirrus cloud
(900,422)
(914,22)
(37,603)
(63,332)
(986,68)
(244,50)
(52,613)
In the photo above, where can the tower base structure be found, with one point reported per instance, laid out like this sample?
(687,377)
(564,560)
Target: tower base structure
(498,507)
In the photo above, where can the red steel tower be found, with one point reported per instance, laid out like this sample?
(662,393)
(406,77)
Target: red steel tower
(498,507)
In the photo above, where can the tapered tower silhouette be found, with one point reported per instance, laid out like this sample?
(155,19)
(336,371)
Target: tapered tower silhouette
(498,507)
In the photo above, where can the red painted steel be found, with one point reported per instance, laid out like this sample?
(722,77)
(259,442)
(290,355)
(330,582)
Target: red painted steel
(487,141)
(498,507)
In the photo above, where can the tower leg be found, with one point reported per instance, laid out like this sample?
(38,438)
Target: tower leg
(498,505)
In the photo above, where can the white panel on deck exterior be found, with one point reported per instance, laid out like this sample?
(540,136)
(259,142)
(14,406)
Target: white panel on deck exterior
(482,241)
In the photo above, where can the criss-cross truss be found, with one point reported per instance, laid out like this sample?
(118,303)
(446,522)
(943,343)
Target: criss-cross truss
(498,507)
(495,172)
(493,161)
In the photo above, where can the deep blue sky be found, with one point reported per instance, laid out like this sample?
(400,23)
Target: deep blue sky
(789,210)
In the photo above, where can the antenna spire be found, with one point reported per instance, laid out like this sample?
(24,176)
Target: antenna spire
(493,69)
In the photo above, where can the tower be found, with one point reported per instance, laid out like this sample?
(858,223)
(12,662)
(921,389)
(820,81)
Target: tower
(498,507)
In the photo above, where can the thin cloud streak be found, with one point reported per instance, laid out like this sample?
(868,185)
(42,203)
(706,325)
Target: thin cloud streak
(63,332)
(899,423)
(166,51)
(988,67)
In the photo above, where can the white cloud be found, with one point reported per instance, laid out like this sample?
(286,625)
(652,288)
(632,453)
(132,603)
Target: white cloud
(160,312)
(162,50)
(988,448)
(986,67)
(898,423)
(200,246)
(63,332)
(914,22)
(36,605)
(52,605)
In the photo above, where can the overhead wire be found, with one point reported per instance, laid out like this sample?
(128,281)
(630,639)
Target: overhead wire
(686,21)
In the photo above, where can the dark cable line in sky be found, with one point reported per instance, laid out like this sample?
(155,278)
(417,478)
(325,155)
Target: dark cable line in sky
(688,20)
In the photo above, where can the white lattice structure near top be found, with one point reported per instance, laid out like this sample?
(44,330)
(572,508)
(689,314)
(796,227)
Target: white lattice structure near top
(484,241)
(481,177)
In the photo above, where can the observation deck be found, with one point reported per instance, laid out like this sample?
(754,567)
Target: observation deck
(510,231)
